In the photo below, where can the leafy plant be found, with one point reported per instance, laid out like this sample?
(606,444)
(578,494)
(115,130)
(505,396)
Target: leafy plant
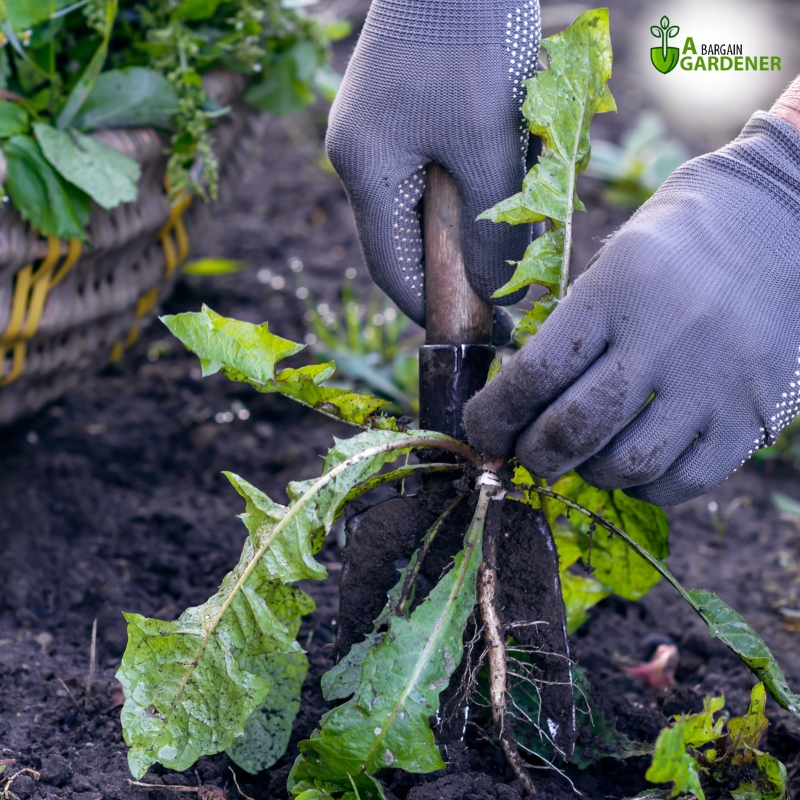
(367,343)
(67,69)
(226,675)
(699,754)
(632,170)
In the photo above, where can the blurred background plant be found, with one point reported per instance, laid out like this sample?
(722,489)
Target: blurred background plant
(373,344)
(632,170)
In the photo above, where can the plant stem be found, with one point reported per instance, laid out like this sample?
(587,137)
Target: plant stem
(613,529)
(394,475)
(411,578)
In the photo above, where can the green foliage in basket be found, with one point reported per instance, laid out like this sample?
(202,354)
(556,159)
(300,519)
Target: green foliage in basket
(68,68)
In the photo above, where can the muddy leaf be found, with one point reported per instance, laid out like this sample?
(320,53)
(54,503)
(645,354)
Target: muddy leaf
(734,631)
(559,108)
(248,353)
(189,688)
(385,723)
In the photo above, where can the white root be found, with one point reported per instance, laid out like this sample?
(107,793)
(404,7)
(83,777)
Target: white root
(496,655)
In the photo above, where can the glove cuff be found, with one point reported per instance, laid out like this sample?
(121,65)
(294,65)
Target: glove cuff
(454,22)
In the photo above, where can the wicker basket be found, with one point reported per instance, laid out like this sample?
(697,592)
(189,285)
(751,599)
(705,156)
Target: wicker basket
(67,310)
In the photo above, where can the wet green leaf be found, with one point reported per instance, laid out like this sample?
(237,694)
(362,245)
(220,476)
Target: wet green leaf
(385,723)
(559,107)
(249,353)
(106,175)
(40,194)
(188,686)
(128,98)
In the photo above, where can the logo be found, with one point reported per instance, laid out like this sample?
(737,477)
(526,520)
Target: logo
(665,58)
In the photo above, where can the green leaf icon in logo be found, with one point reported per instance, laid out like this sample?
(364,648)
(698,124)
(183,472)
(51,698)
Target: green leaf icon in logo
(664,58)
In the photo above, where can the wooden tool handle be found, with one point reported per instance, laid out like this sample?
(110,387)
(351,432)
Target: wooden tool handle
(454,313)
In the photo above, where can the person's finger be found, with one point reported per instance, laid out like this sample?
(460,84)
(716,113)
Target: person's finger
(385,190)
(648,446)
(566,345)
(704,464)
(585,417)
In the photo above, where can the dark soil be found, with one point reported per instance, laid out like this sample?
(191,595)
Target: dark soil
(113,500)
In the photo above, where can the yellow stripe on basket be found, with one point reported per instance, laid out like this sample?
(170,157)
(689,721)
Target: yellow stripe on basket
(176,245)
(31,288)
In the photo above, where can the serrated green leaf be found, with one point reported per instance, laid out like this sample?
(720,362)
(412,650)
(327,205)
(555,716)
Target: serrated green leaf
(701,729)
(106,175)
(542,309)
(128,98)
(541,264)
(672,764)
(559,107)
(249,353)
(42,197)
(616,566)
(385,724)
(13,119)
(188,689)
(733,630)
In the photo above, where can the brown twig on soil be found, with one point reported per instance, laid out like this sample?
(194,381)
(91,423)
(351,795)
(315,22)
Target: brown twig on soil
(498,679)
(203,792)
(238,789)
(92,665)
(6,793)
(67,690)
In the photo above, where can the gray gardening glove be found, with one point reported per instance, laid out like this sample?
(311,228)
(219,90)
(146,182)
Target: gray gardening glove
(435,81)
(695,300)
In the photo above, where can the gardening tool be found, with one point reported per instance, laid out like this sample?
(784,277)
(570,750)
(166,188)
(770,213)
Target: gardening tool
(380,539)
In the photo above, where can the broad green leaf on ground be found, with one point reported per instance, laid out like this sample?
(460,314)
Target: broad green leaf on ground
(188,689)
(106,175)
(43,198)
(269,728)
(13,119)
(386,722)
(127,98)
(86,82)
(689,755)
(249,353)
(617,567)
(733,630)
(559,108)
(672,764)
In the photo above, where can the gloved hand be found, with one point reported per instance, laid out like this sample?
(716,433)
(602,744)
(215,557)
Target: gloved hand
(696,301)
(435,81)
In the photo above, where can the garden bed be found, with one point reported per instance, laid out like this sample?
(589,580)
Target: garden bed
(114,500)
